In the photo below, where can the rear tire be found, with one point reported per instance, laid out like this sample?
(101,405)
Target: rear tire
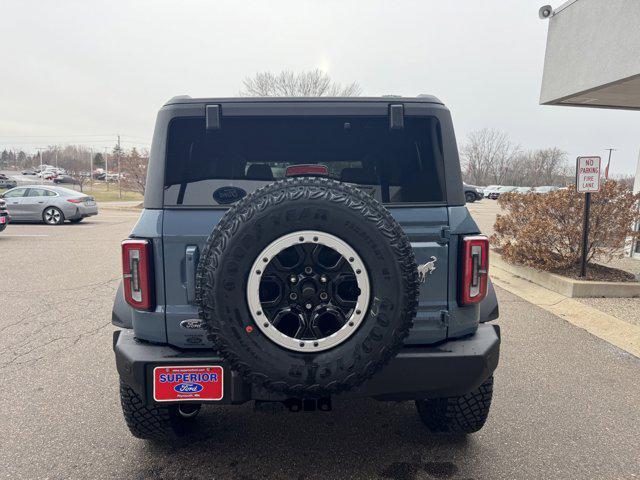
(52,216)
(470,197)
(457,415)
(150,422)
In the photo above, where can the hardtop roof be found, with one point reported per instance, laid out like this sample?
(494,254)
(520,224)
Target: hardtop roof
(186,99)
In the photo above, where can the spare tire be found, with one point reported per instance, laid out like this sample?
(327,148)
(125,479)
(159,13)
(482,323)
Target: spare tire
(307,287)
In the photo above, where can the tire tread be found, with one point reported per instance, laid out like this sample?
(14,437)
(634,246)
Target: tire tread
(457,415)
(144,421)
(298,189)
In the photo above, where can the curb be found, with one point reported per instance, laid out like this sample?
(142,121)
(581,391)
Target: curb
(602,325)
(123,209)
(126,208)
(567,287)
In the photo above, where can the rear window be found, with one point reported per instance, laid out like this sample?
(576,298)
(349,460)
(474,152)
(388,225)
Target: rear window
(218,167)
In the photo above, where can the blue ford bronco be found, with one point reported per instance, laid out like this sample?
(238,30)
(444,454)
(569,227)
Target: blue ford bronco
(295,249)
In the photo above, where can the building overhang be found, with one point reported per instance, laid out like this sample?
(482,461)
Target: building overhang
(593,55)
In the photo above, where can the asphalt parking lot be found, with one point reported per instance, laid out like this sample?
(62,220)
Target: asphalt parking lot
(566,404)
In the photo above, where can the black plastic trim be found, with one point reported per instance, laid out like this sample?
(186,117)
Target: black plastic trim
(121,312)
(212,117)
(489,309)
(450,368)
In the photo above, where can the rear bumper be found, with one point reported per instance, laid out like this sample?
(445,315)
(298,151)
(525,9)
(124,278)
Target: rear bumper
(447,369)
(5,219)
(84,212)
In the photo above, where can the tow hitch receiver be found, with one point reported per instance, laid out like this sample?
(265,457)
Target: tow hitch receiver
(294,405)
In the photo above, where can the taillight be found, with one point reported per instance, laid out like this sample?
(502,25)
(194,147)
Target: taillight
(74,200)
(137,274)
(295,170)
(474,274)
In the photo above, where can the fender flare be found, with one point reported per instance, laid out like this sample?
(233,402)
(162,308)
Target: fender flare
(122,313)
(489,309)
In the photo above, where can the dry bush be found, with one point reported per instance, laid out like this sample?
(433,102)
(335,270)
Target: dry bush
(545,231)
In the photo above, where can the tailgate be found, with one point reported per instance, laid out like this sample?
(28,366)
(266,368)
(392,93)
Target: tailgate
(185,232)
(427,229)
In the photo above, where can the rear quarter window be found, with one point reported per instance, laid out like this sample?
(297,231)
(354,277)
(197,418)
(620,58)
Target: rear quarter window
(218,167)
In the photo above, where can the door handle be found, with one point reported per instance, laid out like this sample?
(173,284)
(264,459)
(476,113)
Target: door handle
(192,256)
(40,202)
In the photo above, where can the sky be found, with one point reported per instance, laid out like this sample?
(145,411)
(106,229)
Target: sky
(83,71)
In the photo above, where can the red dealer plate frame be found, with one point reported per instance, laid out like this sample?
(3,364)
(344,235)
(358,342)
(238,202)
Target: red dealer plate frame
(198,383)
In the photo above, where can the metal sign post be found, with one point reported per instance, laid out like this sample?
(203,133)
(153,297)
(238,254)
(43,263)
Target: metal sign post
(587,182)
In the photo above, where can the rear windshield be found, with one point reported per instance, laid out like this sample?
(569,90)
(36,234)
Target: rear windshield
(218,167)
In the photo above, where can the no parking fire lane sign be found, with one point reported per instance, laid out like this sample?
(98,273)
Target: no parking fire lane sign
(588,174)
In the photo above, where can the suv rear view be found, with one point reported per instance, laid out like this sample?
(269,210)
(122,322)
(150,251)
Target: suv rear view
(291,250)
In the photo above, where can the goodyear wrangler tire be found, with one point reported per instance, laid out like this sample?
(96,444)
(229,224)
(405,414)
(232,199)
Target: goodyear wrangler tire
(457,415)
(151,422)
(307,287)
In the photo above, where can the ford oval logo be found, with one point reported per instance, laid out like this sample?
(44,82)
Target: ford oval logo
(192,324)
(226,195)
(188,388)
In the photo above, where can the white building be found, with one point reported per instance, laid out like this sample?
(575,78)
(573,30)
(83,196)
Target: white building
(593,59)
(593,55)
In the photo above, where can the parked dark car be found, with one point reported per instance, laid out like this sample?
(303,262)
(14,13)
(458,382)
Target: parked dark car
(5,218)
(471,193)
(29,172)
(292,250)
(8,183)
(65,179)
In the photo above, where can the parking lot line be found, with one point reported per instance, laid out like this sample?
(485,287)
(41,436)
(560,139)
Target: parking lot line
(24,235)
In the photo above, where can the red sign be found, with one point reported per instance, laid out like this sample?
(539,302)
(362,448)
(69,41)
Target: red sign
(588,174)
(171,384)
(294,170)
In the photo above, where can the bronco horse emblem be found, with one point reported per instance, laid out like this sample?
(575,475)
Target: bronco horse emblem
(426,269)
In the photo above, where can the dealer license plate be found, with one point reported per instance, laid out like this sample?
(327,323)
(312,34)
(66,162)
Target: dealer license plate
(174,384)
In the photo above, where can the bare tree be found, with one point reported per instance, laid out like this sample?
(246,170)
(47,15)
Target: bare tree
(133,167)
(488,156)
(626,180)
(76,161)
(545,167)
(312,83)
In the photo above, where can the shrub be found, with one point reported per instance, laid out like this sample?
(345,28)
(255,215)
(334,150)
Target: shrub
(545,231)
